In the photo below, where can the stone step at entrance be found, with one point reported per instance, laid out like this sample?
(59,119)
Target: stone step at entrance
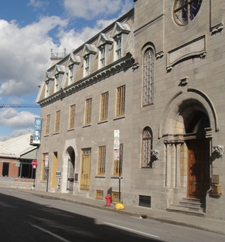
(189,206)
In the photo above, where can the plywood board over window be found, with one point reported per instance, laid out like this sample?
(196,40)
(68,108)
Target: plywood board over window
(72,117)
(101,160)
(104,106)
(57,120)
(47,124)
(120,103)
(88,106)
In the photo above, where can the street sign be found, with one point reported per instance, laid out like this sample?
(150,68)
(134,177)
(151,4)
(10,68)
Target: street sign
(34,167)
(34,163)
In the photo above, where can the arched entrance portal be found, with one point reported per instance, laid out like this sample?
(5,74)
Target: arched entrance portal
(186,130)
(70,169)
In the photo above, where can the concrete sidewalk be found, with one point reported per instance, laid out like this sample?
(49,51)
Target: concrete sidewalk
(207,224)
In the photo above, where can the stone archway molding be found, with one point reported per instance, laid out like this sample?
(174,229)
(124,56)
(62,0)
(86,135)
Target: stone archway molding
(172,109)
(68,144)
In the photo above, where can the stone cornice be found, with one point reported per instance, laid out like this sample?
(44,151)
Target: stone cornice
(99,75)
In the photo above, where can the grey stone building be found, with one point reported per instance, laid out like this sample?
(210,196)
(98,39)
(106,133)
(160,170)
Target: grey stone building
(142,101)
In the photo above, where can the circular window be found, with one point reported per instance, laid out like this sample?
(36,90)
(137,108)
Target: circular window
(185,10)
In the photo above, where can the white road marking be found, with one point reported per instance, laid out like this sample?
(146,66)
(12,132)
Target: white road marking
(131,230)
(52,234)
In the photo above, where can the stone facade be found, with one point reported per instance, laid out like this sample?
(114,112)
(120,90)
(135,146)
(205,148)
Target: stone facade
(173,73)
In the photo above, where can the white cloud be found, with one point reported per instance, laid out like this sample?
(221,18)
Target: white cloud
(91,9)
(72,39)
(11,118)
(25,54)
(37,4)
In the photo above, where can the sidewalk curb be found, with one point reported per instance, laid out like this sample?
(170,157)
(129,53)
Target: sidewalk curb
(147,216)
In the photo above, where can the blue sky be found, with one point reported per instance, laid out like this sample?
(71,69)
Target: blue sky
(29,29)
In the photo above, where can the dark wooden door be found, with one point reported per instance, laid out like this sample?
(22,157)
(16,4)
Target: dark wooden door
(198,168)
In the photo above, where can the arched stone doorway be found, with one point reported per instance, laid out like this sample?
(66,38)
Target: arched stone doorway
(70,169)
(186,128)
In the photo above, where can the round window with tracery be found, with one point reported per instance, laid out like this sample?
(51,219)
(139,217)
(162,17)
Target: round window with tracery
(185,11)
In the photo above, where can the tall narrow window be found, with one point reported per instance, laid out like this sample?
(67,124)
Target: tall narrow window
(102,56)
(146,147)
(120,105)
(46,88)
(118,164)
(148,76)
(72,117)
(47,124)
(86,65)
(118,51)
(101,160)
(56,87)
(88,105)
(104,106)
(57,121)
(70,75)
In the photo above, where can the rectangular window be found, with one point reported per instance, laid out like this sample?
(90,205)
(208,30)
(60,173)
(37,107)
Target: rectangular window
(72,117)
(88,105)
(70,75)
(46,88)
(144,201)
(101,160)
(102,56)
(86,65)
(104,106)
(118,50)
(120,106)
(116,196)
(47,124)
(99,194)
(44,171)
(56,88)
(118,164)
(57,121)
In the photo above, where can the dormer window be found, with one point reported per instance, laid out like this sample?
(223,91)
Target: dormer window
(46,88)
(102,56)
(70,75)
(58,81)
(86,65)
(104,44)
(119,34)
(56,86)
(48,83)
(72,66)
(118,47)
(88,54)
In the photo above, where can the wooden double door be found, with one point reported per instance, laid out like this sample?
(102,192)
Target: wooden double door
(198,168)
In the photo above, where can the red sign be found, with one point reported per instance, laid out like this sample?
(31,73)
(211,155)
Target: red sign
(34,163)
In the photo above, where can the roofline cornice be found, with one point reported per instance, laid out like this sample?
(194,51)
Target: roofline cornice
(98,76)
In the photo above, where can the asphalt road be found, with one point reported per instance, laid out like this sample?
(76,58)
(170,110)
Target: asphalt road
(26,217)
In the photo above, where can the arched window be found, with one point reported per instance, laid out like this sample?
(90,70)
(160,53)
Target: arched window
(146,147)
(148,77)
